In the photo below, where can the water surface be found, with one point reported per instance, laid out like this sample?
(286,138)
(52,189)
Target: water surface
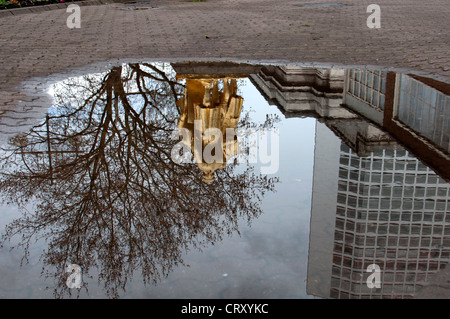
(349,169)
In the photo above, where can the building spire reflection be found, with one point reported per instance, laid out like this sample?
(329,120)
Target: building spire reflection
(215,103)
(210,102)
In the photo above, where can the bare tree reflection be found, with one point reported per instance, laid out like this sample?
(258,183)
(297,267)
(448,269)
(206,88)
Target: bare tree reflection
(108,195)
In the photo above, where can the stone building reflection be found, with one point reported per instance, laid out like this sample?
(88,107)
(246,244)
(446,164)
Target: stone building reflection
(373,107)
(373,200)
(319,93)
(412,109)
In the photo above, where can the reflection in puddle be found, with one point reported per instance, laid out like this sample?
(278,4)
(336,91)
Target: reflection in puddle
(205,107)
(110,195)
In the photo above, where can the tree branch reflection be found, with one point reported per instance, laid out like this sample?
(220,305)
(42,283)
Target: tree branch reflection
(107,194)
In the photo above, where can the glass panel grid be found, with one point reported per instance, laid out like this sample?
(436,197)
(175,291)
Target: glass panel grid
(425,110)
(368,86)
(401,238)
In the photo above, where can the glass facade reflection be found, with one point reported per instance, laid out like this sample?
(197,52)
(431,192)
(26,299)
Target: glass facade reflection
(368,85)
(424,109)
(391,211)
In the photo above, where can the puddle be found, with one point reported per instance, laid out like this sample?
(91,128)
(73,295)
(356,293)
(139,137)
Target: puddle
(223,180)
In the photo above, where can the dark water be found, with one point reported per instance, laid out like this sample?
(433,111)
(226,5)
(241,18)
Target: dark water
(329,171)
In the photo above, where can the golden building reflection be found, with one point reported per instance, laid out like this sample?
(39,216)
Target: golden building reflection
(210,103)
